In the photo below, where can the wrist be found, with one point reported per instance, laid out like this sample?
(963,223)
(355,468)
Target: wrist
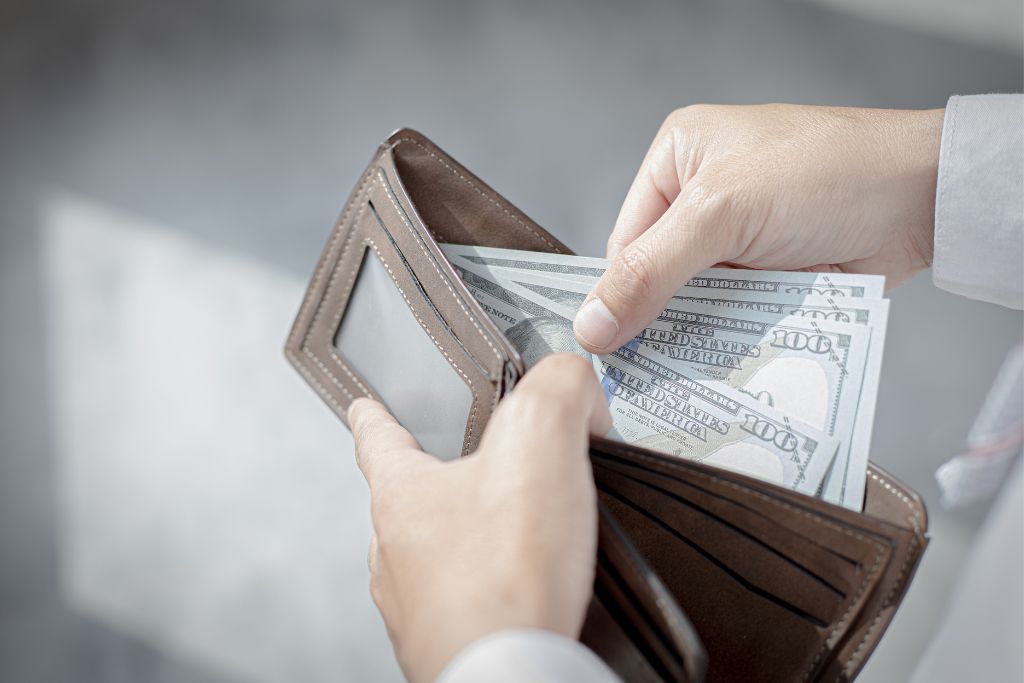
(920,137)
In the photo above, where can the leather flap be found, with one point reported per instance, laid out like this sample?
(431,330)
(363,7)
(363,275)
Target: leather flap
(380,223)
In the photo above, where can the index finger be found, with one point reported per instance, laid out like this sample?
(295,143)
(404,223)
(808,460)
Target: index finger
(382,445)
(653,190)
(669,163)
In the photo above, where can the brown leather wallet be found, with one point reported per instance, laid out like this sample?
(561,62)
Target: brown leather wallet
(702,574)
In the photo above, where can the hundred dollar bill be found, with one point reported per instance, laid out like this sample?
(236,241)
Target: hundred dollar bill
(758,440)
(813,370)
(713,280)
(845,484)
(664,408)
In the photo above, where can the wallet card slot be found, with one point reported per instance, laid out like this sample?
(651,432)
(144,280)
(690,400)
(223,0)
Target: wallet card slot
(724,567)
(834,571)
(801,524)
(838,591)
(625,608)
(607,632)
(760,639)
(879,548)
(421,291)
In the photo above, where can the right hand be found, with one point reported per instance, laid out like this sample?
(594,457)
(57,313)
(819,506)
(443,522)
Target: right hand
(775,186)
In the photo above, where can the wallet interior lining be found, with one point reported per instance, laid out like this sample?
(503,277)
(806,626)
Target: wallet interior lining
(683,574)
(741,636)
(624,607)
(833,566)
(452,215)
(798,564)
(423,292)
(711,558)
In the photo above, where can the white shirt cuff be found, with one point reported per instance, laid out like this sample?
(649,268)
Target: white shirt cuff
(979,199)
(525,655)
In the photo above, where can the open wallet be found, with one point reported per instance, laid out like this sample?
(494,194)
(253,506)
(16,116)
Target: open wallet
(702,574)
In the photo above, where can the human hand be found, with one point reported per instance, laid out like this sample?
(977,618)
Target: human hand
(771,187)
(506,538)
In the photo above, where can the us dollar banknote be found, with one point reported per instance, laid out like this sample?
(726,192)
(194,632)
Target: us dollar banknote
(713,280)
(671,409)
(812,370)
(667,409)
(836,300)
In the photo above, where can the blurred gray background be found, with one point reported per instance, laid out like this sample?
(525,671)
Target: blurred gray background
(175,505)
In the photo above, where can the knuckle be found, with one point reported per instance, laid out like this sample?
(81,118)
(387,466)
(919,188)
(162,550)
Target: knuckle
(556,370)
(385,546)
(547,404)
(688,116)
(710,199)
(698,110)
(382,507)
(362,429)
(631,276)
(570,368)
(552,411)
(718,210)
(375,591)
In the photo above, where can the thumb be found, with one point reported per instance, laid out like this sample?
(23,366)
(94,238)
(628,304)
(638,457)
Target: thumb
(690,236)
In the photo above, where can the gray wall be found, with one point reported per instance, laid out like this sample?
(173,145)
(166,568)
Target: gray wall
(162,523)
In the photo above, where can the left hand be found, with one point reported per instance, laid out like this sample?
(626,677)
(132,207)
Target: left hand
(505,538)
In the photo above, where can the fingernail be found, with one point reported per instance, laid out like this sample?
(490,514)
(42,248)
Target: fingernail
(595,324)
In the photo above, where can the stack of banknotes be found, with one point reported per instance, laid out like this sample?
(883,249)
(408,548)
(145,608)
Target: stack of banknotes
(773,374)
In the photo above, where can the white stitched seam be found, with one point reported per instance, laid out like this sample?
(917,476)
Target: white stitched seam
(319,387)
(480,191)
(433,263)
(327,293)
(915,521)
(787,506)
(437,344)
(348,284)
(307,301)
(914,518)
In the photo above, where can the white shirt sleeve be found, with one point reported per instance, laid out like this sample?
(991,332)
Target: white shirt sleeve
(979,200)
(526,656)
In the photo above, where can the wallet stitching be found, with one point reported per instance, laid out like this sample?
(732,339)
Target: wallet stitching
(347,286)
(319,387)
(307,301)
(433,263)
(849,610)
(768,499)
(914,519)
(469,383)
(311,292)
(480,191)
(855,656)
(334,379)
(320,307)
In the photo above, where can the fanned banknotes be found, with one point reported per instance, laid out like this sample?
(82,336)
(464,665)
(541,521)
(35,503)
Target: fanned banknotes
(771,373)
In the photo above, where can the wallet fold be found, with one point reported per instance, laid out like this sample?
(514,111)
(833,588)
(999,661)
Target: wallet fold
(702,574)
